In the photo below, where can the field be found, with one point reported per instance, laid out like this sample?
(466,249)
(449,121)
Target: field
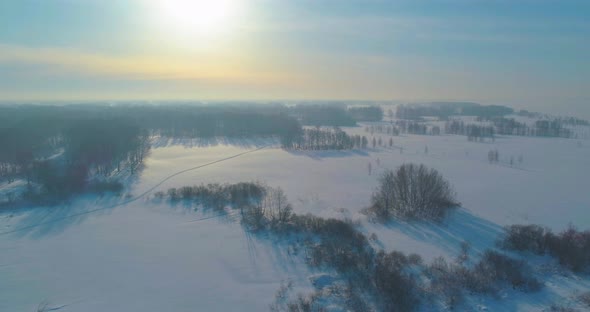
(135,253)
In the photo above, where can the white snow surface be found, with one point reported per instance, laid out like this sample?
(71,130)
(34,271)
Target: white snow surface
(134,254)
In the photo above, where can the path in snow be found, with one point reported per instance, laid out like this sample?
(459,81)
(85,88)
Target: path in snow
(138,196)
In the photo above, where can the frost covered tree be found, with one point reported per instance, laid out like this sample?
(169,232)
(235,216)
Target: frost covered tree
(276,206)
(413,191)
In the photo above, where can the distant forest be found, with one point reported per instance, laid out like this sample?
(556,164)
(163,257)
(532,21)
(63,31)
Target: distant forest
(509,126)
(492,121)
(62,150)
(334,115)
(445,109)
(327,139)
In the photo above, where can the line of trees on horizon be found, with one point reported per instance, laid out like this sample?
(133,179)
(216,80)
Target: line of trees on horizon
(444,110)
(327,139)
(508,126)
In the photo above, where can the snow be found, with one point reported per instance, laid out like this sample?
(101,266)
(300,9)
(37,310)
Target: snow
(148,256)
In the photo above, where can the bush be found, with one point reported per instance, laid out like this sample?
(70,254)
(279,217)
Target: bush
(585,298)
(450,280)
(533,238)
(413,191)
(571,247)
(253,218)
(397,289)
(173,194)
(219,196)
(560,308)
(497,267)
(333,243)
(245,193)
(277,207)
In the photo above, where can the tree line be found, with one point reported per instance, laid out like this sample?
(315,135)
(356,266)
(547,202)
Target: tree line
(444,110)
(59,157)
(472,131)
(554,127)
(508,126)
(327,139)
(334,115)
(366,113)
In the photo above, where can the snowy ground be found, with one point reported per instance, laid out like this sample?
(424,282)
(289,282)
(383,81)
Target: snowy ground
(132,254)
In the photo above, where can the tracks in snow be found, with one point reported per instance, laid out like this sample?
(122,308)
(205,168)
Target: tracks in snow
(133,198)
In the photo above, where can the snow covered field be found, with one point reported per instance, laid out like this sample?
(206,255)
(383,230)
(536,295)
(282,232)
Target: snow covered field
(134,254)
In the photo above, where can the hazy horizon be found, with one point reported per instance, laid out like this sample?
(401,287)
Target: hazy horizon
(520,53)
(578,109)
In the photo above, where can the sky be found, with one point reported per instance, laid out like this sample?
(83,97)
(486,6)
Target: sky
(526,53)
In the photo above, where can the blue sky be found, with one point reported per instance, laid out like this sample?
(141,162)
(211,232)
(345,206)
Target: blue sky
(529,53)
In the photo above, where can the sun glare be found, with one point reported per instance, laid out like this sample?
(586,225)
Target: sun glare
(196,17)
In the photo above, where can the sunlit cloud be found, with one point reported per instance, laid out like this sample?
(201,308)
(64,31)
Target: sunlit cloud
(141,67)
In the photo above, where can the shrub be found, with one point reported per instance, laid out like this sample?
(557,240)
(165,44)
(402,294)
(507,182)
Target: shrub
(172,194)
(277,207)
(571,247)
(585,298)
(413,191)
(450,280)
(397,289)
(340,255)
(497,267)
(560,308)
(159,194)
(186,192)
(244,193)
(219,196)
(335,243)
(533,238)
(253,218)
(414,259)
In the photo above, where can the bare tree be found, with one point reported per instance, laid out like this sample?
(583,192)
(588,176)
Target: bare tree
(413,191)
(276,206)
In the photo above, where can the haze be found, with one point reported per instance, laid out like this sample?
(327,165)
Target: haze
(529,54)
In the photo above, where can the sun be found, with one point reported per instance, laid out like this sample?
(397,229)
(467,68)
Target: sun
(196,17)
